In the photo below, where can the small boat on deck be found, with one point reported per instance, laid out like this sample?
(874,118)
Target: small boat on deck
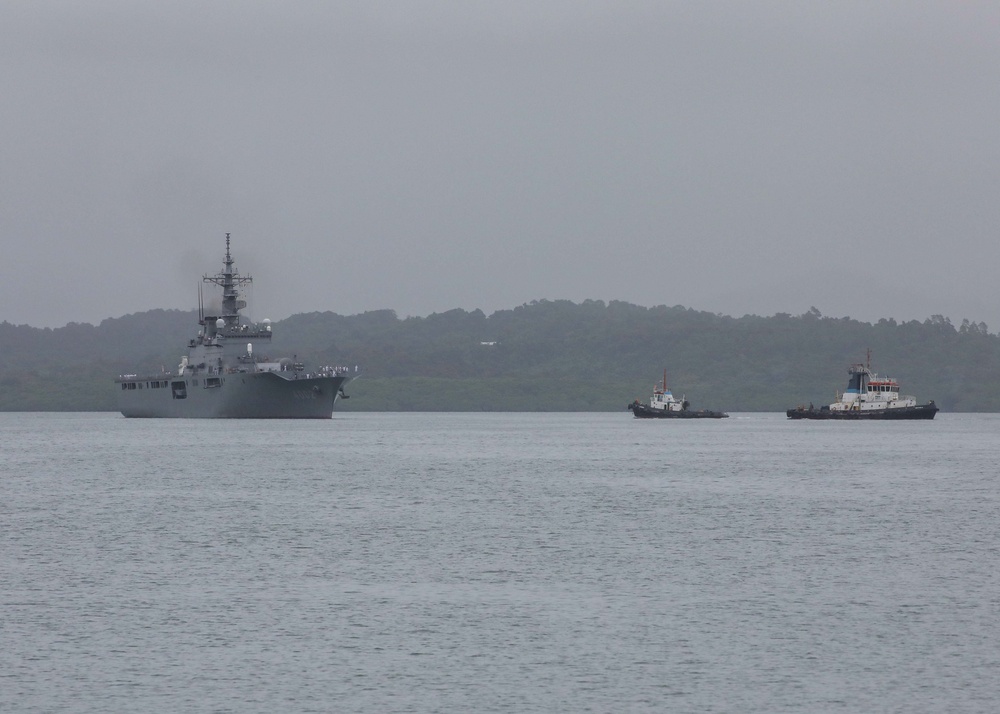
(663,405)
(868,396)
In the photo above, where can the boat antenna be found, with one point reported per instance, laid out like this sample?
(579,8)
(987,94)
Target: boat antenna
(664,380)
(868,359)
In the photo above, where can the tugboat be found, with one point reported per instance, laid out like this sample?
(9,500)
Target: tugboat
(226,376)
(868,396)
(663,405)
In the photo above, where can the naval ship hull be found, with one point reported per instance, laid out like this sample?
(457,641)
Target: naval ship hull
(253,395)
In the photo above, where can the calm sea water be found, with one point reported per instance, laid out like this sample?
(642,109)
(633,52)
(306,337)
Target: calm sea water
(498,563)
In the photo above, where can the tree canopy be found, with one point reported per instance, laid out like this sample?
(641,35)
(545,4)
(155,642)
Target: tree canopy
(541,356)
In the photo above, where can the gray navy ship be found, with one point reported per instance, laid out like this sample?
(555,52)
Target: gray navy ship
(227,374)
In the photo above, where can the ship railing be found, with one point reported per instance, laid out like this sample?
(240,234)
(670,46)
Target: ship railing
(247,334)
(144,377)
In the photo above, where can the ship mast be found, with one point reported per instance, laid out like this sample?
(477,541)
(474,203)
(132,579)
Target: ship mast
(868,369)
(229,280)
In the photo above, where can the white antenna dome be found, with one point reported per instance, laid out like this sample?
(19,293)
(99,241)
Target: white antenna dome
(220,323)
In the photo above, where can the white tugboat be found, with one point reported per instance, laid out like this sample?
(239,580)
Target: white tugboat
(227,375)
(663,405)
(868,396)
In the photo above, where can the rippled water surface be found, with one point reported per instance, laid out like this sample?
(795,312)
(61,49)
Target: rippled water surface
(498,562)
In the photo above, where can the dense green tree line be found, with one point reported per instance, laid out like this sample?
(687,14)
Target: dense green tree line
(546,355)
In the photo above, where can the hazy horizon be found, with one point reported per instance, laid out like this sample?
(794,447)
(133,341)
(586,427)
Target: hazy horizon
(729,157)
(257,316)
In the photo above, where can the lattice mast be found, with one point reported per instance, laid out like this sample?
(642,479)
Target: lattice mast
(230,281)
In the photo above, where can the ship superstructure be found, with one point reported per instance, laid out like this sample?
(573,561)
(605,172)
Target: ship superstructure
(227,372)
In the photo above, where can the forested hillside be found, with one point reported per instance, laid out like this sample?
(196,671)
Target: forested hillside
(546,355)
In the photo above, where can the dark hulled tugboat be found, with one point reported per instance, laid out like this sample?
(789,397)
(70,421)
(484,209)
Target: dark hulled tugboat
(663,405)
(868,396)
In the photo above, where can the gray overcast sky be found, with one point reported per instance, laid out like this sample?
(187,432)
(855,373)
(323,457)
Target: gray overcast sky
(731,156)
